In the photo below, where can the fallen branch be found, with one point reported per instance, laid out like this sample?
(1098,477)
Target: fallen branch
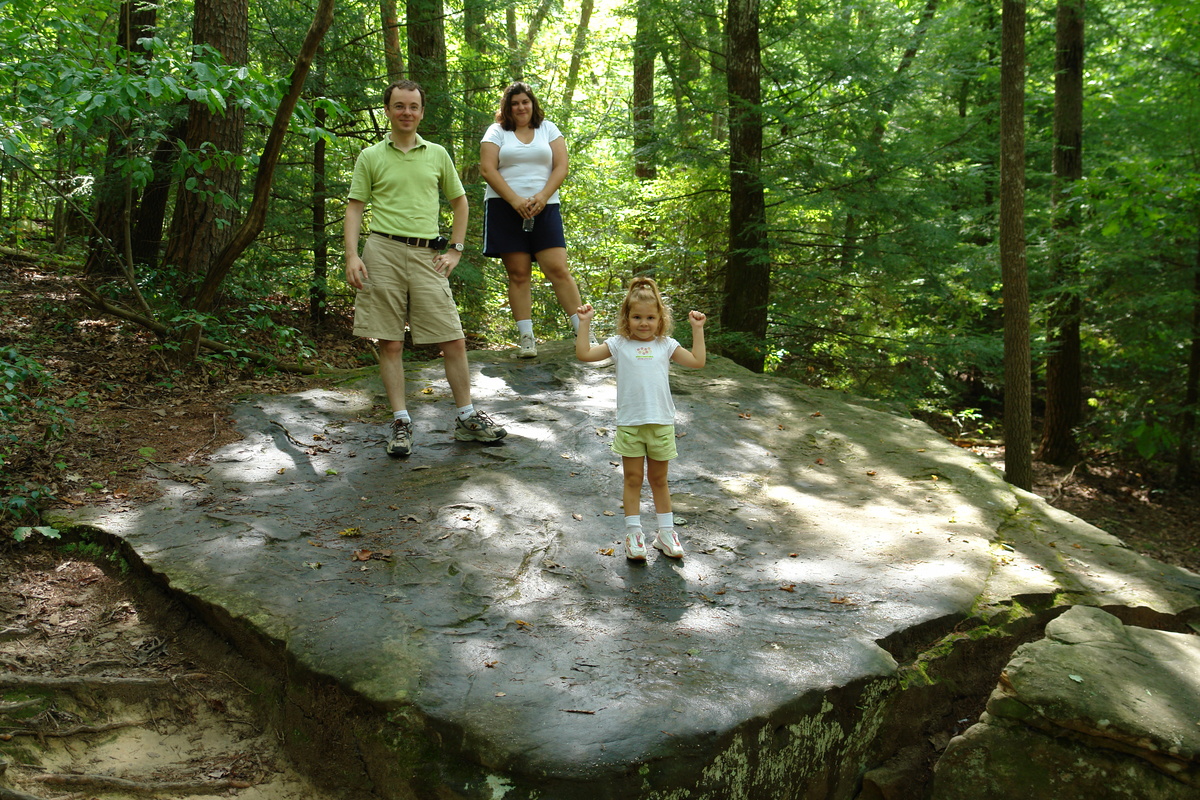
(102,304)
(106,783)
(78,730)
(88,683)
(13,794)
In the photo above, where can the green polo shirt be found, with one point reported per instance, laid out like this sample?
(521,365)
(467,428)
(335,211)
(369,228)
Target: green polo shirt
(402,188)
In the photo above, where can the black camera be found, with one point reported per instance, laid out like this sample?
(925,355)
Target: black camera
(440,242)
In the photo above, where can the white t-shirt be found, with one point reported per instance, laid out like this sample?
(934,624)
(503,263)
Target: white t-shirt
(524,167)
(643,386)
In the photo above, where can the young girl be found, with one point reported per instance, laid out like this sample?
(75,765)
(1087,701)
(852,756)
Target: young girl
(642,350)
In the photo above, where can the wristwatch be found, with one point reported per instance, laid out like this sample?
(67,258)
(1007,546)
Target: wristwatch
(456,246)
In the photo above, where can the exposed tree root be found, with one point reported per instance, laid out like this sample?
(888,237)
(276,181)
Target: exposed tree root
(102,783)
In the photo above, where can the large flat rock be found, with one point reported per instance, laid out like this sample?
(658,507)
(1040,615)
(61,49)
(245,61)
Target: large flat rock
(507,620)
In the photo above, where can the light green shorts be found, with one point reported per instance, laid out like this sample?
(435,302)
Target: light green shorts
(655,441)
(403,287)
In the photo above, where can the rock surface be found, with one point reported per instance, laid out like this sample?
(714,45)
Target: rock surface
(477,597)
(1097,709)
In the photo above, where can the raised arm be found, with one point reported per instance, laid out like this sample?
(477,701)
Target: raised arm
(583,347)
(695,357)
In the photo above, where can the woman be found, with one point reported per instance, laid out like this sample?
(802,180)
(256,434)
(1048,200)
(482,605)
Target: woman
(523,158)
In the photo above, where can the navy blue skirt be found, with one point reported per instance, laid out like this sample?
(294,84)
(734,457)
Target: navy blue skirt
(502,230)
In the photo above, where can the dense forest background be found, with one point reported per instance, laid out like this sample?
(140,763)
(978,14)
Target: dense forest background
(824,179)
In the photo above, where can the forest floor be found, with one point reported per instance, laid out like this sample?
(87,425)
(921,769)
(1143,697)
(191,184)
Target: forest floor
(132,685)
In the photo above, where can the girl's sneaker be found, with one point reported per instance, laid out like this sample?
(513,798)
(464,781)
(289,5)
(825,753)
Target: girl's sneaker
(635,546)
(668,542)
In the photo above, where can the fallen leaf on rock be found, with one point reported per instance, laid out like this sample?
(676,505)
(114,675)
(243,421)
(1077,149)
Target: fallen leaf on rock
(845,601)
(281,470)
(564,455)
(820,462)
(609,514)
(1076,678)
(577,516)
(523,623)
(315,543)
(871,472)
(793,555)
(427,390)
(317,437)
(331,471)
(608,551)
(601,431)
(367,555)
(313,564)
(350,532)
(743,415)
(817,414)
(490,664)
(791,587)
(501,694)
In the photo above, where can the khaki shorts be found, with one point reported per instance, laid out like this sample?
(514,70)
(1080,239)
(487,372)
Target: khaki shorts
(654,441)
(403,287)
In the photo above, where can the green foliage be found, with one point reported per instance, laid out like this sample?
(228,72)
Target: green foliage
(34,415)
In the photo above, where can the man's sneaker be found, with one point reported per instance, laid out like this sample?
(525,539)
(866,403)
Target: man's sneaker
(400,440)
(526,346)
(668,542)
(635,546)
(478,427)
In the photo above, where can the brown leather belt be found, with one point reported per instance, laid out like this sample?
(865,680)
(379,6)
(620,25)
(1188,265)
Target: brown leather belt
(415,242)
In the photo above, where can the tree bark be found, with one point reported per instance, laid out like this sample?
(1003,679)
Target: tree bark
(202,226)
(1018,428)
(393,57)
(1185,466)
(318,293)
(748,266)
(113,195)
(427,66)
(645,51)
(477,104)
(1064,364)
(256,215)
(147,233)
(578,48)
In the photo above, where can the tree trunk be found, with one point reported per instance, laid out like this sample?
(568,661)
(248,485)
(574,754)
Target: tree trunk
(427,66)
(112,194)
(477,104)
(1064,364)
(256,214)
(1185,467)
(748,267)
(1018,427)
(577,50)
(645,51)
(202,226)
(393,58)
(535,25)
(147,232)
(318,294)
(516,60)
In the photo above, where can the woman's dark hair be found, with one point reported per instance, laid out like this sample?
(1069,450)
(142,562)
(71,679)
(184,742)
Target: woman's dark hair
(504,114)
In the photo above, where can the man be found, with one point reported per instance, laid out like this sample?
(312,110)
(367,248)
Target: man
(401,277)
